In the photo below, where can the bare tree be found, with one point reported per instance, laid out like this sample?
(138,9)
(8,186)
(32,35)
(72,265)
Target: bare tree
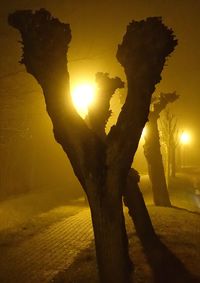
(101,163)
(152,151)
(170,139)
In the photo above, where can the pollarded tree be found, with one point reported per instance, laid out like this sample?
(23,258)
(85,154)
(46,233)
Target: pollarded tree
(152,150)
(101,163)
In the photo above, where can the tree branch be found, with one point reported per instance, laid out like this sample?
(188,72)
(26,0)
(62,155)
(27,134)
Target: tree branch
(45,44)
(142,53)
(163,100)
(100,112)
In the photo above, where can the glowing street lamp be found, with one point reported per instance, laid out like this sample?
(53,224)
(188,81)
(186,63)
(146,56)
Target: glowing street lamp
(83,96)
(185,138)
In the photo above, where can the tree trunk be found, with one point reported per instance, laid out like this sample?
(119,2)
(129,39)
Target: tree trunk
(159,186)
(133,199)
(155,164)
(101,167)
(110,237)
(173,161)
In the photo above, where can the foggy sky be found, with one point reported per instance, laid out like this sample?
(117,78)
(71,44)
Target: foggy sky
(98,27)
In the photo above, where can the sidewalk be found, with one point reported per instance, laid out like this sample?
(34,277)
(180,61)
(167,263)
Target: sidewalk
(20,209)
(39,258)
(41,234)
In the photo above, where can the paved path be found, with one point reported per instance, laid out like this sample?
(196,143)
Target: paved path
(40,258)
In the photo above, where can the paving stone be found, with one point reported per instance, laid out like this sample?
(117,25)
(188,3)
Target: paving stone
(40,258)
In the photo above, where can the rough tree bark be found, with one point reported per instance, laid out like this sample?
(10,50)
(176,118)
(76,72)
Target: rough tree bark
(100,165)
(153,154)
(97,118)
(133,199)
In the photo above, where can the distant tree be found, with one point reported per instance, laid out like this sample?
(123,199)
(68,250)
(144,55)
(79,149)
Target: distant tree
(170,139)
(101,163)
(152,150)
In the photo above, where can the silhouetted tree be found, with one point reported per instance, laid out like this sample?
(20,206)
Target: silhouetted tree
(97,118)
(170,138)
(101,163)
(152,151)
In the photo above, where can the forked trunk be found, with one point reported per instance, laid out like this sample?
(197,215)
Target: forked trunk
(110,238)
(144,48)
